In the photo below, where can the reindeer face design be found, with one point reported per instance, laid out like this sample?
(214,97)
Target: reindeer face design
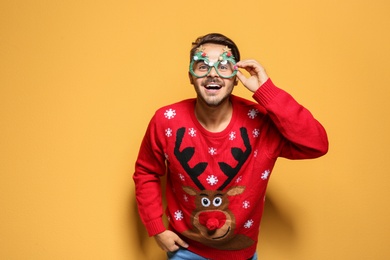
(212,220)
(212,217)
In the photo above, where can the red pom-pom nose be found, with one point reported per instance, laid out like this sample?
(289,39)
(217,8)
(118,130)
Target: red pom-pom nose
(212,224)
(212,220)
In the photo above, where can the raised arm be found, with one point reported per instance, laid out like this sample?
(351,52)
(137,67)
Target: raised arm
(304,136)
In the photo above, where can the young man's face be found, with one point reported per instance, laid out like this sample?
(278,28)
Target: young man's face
(212,89)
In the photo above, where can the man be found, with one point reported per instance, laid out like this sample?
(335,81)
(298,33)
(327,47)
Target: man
(217,152)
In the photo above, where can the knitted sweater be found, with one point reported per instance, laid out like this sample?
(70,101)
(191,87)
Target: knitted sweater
(216,182)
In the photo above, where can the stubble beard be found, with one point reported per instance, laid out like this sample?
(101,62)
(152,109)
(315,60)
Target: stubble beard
(212,100)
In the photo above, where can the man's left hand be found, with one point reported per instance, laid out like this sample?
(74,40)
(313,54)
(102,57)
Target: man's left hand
(257,74)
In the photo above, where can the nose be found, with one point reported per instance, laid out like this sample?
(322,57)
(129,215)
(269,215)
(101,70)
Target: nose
(213,72)
(212,220)
(212,224)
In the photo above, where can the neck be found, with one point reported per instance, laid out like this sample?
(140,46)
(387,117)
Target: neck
(214,118)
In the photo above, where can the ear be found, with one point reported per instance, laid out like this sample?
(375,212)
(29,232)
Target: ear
(235,190)
(191,78)
(189,190)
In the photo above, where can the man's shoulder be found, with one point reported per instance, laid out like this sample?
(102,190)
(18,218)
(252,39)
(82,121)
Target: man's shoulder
(173,110)
(246,105)
(241,100)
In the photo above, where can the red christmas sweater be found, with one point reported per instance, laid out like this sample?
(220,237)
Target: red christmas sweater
(216,182)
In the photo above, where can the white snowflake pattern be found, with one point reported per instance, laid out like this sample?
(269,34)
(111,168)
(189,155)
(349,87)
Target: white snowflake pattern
(246,204)
(192,132)
(212,150)
(168,132)
(253,113)
(265,174)
(170,113)
(212,180)
(255,153)
(248,223)
(239,179)
(256,132)
(179,215)
(232,135)
(181,176)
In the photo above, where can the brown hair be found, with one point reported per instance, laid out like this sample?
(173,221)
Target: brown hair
(215,38)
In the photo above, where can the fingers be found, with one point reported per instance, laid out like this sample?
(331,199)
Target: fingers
(171,248)
(246,63)
(170,241)
(241,77)
(252,66)
(255,69)
(181,243)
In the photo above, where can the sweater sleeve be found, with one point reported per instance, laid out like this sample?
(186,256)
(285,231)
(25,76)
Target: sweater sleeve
(304,137)
(149,167)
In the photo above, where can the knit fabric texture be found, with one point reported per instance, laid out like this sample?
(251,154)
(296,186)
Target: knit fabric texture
(216,182)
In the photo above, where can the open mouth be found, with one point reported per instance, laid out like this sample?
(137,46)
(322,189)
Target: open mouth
(213,87)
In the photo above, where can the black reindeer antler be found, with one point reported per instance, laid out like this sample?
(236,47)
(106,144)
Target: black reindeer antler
(185,156)
(239,155)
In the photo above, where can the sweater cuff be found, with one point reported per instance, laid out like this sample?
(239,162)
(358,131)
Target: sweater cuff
(155,227)
(266,92)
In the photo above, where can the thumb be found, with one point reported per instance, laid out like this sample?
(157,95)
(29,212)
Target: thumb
(250,83)
(181,242)
(241,77)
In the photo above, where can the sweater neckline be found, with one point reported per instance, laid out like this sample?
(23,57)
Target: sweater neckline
(222,133)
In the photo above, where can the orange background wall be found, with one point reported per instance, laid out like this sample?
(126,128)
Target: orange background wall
(79,81)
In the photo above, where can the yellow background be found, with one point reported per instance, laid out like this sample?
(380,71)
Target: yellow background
(80,79)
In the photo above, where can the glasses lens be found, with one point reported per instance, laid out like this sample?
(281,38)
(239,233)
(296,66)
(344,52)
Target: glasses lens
(226,69)
(200,69)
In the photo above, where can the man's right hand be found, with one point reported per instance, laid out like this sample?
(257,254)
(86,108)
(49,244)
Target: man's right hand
(169,241)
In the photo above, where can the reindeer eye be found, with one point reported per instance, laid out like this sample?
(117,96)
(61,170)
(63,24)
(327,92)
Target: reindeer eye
(217,201)
(205,202)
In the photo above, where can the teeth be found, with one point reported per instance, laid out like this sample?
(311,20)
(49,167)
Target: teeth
(213,86)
